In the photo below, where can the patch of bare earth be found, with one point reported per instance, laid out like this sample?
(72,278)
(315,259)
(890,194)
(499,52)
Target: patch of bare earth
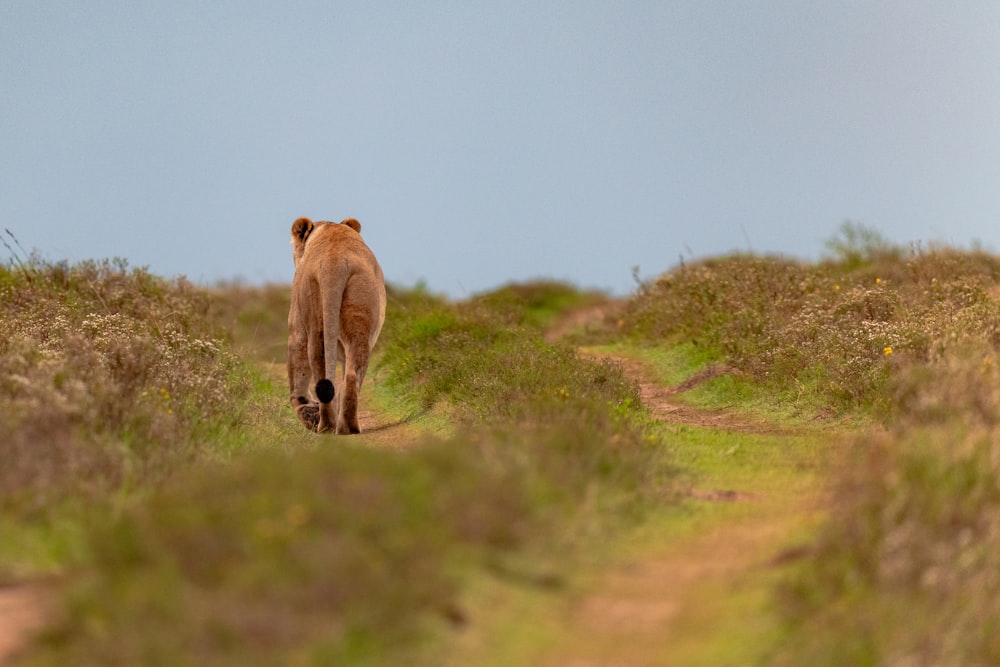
(583,320)
(22,614)
(662,609)
(663,402)
(383,431)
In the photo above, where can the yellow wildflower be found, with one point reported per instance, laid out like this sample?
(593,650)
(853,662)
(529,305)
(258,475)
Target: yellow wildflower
(887,350)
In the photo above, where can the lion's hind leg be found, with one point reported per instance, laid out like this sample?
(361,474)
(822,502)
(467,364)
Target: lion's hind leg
(349,405)
(355,367)
(299,373)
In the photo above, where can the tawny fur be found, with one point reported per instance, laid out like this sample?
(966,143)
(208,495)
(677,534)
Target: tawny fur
(338,307)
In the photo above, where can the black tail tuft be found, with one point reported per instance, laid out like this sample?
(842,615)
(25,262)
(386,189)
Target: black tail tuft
(324,391)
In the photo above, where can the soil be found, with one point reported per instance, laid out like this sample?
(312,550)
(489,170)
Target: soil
(665,608)
(22,614)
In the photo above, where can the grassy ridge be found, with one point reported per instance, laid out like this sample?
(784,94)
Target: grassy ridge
(905,571)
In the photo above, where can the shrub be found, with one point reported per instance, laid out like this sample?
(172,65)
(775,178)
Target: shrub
(829,330)
(109,377)
(905,571)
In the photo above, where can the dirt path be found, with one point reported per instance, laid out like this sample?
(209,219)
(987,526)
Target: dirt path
(668,608)
(22,614)
(702,597)
(380,426)
(665,404)
(673,605)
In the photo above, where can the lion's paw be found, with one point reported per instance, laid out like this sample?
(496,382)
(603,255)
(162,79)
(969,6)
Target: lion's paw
(309,415)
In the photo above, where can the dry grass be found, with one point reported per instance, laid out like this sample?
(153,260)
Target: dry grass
(109,378)
(906,570)
(827,331)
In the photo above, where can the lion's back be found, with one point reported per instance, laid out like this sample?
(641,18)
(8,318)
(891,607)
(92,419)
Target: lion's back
(340,244)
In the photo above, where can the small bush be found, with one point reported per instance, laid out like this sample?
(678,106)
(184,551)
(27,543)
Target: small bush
(906,569)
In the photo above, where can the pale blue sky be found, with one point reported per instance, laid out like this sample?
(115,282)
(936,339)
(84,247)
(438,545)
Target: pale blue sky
(483,142)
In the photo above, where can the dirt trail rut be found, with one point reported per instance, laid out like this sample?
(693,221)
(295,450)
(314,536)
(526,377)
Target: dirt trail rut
(665,405)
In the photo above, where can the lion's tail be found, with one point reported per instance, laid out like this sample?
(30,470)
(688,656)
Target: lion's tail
(324,391)
(327,420)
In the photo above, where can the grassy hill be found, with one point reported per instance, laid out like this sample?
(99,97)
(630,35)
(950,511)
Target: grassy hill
(161,502)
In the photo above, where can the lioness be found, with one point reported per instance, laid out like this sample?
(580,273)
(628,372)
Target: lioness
(338,307)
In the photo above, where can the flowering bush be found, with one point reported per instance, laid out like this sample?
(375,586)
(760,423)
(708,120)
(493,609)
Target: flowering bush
(106,376)
(830,330)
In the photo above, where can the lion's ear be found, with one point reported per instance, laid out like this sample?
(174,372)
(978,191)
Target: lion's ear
(301,229)
(353,224)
